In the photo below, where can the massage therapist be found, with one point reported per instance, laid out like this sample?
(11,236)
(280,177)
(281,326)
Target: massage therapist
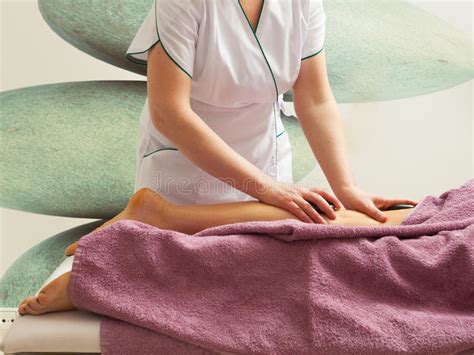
(210,130)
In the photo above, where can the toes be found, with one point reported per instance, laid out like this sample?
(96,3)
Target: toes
(23,302)
(35,305)
(21,309)
(42,298)
(25,307)
(53,297)
(30,310)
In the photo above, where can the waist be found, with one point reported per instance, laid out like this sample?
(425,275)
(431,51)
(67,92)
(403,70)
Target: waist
(247,125)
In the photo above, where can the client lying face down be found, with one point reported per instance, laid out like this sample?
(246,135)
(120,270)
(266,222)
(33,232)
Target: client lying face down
(150,207)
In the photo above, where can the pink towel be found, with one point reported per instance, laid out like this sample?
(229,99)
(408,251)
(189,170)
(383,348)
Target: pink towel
(285,287)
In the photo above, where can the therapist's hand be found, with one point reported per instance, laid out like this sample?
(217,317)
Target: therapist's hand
(295,199)
(353,198)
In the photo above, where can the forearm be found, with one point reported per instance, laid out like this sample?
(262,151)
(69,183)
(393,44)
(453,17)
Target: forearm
(323,128)
(200,144)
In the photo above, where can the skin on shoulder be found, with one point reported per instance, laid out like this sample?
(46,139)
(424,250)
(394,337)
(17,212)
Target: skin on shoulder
(313,74)
(168,87)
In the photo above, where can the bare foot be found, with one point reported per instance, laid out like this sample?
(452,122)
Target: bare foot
(54,297)
(146,206)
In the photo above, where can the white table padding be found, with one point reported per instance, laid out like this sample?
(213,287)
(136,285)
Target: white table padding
(70,331)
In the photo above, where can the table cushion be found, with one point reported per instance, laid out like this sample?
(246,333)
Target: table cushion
(70,331)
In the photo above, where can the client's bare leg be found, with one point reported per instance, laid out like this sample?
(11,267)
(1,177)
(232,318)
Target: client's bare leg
(149,207)
(194,218)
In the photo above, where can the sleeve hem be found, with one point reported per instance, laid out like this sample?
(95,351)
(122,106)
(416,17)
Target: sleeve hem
(134,58)
(312,55)
(174,61)
(130,56)
(163,46)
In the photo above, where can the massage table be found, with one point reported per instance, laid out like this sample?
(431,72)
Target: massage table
(74,331)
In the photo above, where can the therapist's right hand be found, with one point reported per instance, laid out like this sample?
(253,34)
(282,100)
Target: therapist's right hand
(295,199)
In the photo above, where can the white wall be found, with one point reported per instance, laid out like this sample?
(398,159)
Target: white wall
(409,155)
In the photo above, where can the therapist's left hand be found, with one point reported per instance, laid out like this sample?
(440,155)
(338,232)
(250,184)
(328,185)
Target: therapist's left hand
(353,198)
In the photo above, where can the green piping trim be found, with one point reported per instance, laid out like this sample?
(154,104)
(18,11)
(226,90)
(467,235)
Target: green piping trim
(276,141)
(312,55)
(258,19)
(279,134)
(144,62)
(136,60)
(163,46)
(158,150)
(264,56)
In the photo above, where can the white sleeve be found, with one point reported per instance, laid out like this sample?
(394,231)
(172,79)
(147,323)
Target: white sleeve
(315,30)
(174,23)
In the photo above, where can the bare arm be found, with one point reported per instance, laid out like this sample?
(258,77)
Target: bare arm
(169,101)
(168,95)
(321,121)
(319,116)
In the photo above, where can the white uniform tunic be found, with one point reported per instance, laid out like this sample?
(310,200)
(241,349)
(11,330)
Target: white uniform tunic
(238,80)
